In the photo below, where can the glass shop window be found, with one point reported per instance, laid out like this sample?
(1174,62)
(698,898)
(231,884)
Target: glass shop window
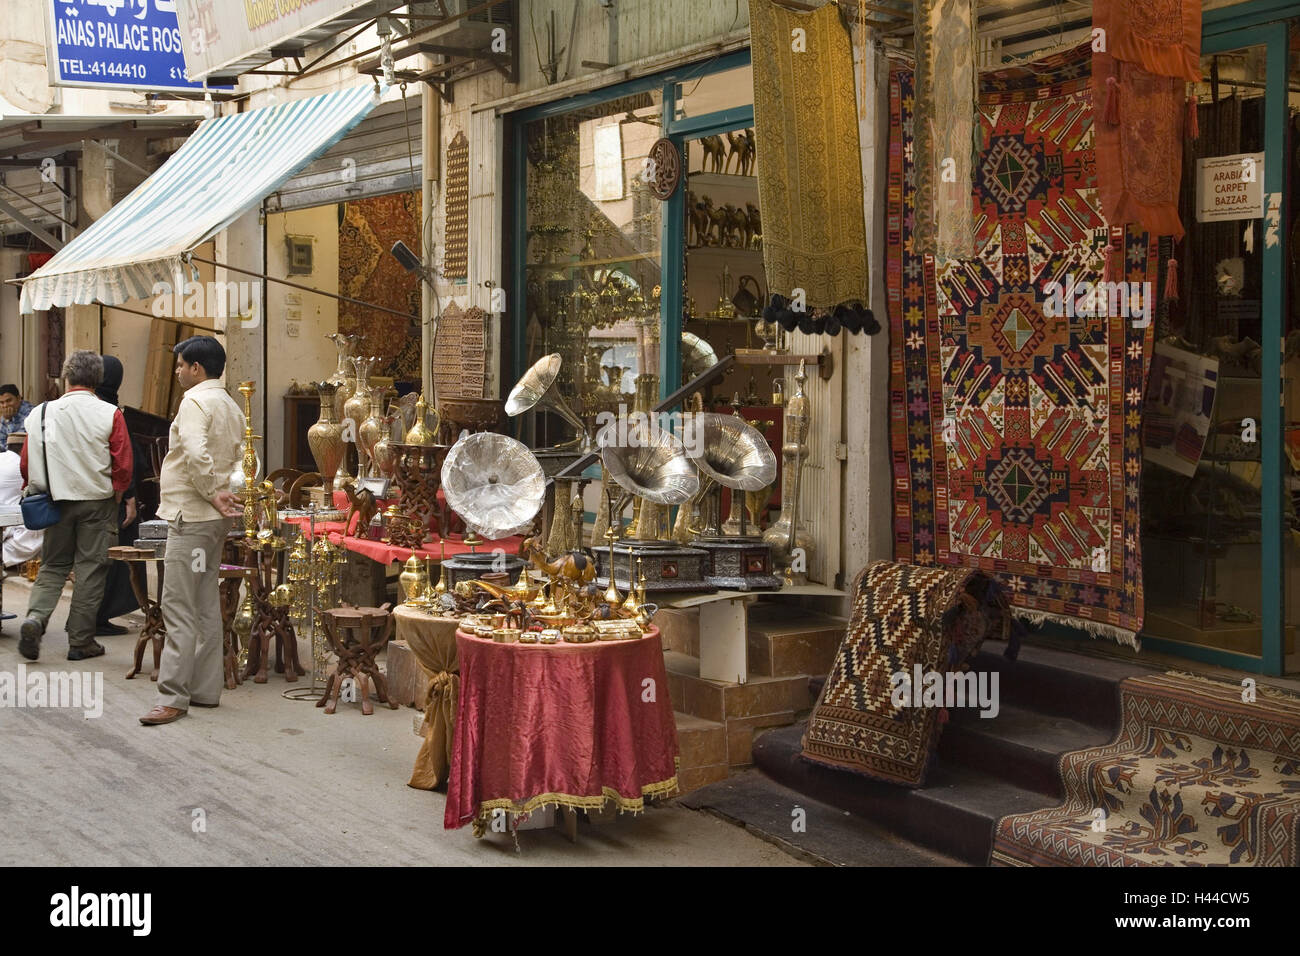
(593,258)
(1201,486)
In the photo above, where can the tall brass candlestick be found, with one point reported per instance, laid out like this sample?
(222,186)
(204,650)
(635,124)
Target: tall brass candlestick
(785,536)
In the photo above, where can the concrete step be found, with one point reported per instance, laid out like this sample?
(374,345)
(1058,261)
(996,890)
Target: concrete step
(808,828)
(724,701)
(954,814)
(784,641)
(1019,746)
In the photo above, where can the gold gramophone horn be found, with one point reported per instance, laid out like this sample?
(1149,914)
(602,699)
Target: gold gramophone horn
(648,462)
(537,390)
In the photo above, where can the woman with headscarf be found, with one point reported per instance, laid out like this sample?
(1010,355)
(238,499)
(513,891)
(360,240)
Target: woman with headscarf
(119,597)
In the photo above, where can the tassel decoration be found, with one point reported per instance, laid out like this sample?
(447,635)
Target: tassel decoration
(1111,111)
(1193,128)
(1171,280)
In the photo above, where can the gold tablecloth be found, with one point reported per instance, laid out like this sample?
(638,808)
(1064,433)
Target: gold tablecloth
(433,641)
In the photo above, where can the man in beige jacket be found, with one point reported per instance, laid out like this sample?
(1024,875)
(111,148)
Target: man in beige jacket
(195,499)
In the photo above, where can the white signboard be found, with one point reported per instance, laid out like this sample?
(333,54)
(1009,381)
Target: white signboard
(1230,187)
(220,32)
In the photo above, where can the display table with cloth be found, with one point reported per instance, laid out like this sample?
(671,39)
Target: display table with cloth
(433,642)
(386,553)
(568,725)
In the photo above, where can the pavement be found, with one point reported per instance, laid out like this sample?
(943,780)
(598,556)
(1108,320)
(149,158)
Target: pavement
(265,780)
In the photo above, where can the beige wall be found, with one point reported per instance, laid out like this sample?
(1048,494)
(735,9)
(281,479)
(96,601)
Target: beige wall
(307,355)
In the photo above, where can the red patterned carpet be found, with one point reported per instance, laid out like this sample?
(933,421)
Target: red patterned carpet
(1015,428)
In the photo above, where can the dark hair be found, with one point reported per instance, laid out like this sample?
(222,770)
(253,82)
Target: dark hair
(10,390)
(203,350)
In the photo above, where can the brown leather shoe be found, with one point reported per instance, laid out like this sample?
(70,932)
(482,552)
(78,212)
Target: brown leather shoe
(161,715)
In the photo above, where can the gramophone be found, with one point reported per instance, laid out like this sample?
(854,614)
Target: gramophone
(650,463)
(496,485)
(731,453)
(537,389)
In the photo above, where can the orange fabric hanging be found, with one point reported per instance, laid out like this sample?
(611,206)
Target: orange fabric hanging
(1161,36)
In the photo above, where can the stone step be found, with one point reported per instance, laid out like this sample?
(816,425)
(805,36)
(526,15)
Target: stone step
(702,750)
(679,629)
(954,814)
(784,641)
(1018,745)
(724,701)
(806,827)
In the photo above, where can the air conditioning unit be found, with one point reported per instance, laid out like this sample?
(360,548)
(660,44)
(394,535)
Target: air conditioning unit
(472,33)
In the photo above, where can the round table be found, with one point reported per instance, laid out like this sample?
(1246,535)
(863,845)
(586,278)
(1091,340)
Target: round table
(568,725)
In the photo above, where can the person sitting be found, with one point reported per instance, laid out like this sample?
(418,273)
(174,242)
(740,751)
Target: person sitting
(13,411)
(20,544)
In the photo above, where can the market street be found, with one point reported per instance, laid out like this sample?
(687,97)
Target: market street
(278,783)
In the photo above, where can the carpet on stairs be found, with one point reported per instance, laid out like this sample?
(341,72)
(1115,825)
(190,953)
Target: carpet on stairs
(910,626)
(1197,776)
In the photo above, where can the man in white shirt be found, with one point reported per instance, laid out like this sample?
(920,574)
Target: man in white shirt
(204,447)
(21,544)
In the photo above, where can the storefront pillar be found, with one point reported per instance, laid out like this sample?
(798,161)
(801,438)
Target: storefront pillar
(242,244)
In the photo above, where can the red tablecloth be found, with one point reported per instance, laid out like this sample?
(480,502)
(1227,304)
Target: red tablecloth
(575,725)
(387,553)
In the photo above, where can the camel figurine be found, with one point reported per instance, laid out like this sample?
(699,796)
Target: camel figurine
(361,502)
(701,215)
(719,223)
(753,227)
(573,568)
(736,223)
(714,154)
(742,150)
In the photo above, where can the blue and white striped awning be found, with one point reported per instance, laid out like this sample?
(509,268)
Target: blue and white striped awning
(227,166)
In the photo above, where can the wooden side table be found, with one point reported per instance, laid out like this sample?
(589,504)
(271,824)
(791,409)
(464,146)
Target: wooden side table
(356,635)
(154,630)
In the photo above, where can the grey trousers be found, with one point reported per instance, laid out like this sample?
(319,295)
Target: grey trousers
(191,666)
(79,541)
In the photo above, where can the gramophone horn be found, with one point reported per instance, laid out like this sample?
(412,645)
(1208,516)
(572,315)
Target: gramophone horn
(731,451)
(649,462)
(494,483)
(537,390)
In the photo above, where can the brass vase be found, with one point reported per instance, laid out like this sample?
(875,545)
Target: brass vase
(344,376)
(326,437)
(382,453)
(357,405)
(370,433)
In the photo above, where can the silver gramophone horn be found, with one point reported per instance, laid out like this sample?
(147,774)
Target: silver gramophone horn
(494,483)
(731,451)
(649,462)
(537,390)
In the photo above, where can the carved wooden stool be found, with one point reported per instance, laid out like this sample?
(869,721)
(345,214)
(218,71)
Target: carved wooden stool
(269,623)
(154,629)
(231,576)
(356,635)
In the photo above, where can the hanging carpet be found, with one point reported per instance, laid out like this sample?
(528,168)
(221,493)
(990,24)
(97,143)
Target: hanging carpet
(1015,413)
(905,619)
(808,159)
(1196,777)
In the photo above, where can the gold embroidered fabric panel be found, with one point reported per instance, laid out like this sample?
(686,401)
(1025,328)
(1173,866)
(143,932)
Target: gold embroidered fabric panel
(808,158)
